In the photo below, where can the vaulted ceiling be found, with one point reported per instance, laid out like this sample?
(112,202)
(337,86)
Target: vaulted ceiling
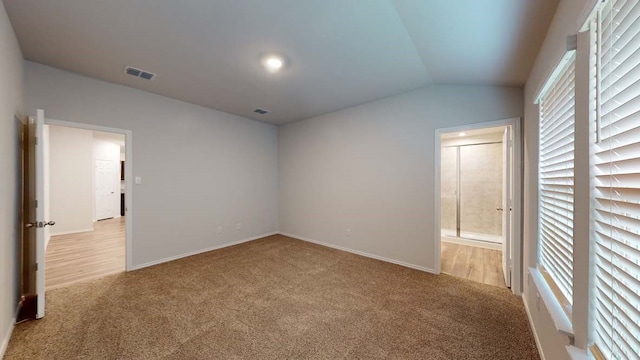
(338,53)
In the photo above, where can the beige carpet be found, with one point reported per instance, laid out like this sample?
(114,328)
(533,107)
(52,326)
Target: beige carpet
(277,298)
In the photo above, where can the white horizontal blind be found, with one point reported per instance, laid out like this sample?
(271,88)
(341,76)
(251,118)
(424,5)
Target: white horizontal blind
(616,198)
(556,179)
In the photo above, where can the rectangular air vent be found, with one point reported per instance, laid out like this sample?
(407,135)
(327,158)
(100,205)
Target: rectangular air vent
(130,70)
(261,111)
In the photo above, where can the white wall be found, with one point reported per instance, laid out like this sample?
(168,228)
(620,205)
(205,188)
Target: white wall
(71,180)
(370,169)
(105,150)
(567,21)
(200,168)
(11,103)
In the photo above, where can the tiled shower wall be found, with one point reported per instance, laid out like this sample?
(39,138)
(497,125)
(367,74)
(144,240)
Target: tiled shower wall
(480,188)
(448,171)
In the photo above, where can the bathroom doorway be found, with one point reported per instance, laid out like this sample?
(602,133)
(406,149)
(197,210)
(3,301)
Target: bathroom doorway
(476,198)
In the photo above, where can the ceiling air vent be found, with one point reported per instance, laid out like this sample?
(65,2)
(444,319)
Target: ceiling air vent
(261,111)
(130,70)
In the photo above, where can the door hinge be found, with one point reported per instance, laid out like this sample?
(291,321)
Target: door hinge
(36,203)
(36,140)
(36,266)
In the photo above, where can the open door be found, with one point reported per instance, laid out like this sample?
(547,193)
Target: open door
(506,204)
(35,203)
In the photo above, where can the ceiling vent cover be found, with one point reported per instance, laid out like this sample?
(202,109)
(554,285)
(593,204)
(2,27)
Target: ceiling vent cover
(261,111)
(130,70)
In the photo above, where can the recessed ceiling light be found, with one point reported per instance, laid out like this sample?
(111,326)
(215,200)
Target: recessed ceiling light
(462,134)
(273,63)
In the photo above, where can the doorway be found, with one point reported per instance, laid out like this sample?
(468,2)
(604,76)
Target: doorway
(84,192)
(37,212)
(477,213)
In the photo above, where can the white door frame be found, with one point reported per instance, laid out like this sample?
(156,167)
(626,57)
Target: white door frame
(516,241)
(128,201)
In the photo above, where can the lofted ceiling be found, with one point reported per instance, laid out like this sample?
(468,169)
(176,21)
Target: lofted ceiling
(338,53)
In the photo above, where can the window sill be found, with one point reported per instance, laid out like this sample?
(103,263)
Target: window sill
(576,354)
(560,318)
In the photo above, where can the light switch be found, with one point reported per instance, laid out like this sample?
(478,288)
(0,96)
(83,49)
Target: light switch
(138,180)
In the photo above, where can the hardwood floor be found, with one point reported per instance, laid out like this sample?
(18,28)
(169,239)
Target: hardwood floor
(88,255)
(473,263)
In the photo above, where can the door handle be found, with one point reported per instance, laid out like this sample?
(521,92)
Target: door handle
(39,224)
(499,209)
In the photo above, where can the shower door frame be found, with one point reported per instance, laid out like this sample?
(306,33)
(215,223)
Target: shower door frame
(516,238)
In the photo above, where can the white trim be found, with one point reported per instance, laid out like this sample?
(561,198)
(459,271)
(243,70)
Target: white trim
(560,318)
(517,270)
(5,342)
(196,252)
(361,253)
(471,242)
(128,148)
(72,232)
(548,83)
(576,353)
(533,328)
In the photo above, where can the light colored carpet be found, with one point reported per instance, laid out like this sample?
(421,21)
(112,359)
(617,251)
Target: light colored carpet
(277,298)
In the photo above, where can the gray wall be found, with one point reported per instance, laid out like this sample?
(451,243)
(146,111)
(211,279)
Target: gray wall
(370,169)
(11,101)
(200,168)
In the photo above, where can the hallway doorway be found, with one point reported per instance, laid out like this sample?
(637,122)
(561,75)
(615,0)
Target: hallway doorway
(84,191)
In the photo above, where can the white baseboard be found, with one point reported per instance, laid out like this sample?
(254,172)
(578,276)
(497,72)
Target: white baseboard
(71,232)
(471,242)
(196,252)
(5,341)
(533,329)
(361,253)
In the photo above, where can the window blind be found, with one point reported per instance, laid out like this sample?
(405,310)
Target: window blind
(616,180)
(555,171)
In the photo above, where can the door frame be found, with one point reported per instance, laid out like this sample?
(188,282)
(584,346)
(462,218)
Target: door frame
(517,168)
(128,201)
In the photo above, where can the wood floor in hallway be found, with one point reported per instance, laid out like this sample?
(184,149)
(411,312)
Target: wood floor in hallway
(473,263)
(87,255)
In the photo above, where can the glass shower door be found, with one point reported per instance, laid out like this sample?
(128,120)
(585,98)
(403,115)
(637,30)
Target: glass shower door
(481,192)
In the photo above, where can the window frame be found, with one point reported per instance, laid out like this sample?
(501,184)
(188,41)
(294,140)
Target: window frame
(567,64)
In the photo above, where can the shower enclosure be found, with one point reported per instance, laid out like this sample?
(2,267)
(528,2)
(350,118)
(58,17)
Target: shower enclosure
(471,191)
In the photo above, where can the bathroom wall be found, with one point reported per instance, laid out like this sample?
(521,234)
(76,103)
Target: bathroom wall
(448,186)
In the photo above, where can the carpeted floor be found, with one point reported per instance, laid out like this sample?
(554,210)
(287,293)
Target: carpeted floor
(277,298)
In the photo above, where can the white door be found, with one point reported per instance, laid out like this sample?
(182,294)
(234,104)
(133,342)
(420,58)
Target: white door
(36,221)
(104,189)
(507,200)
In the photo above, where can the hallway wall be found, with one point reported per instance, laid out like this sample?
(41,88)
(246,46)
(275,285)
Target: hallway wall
(71,180)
